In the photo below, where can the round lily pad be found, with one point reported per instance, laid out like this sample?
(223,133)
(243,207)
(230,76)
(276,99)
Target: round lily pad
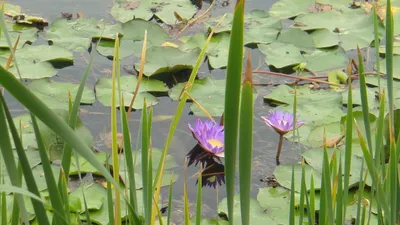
(31,70)
(77,34)
(45,53)
(283,174)
(55,94)
(127,10)
(168,59)
(128,85)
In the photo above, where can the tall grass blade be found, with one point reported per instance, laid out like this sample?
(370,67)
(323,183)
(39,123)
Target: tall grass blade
(147,185)
(232,99)
(169,201)
(185,197)
(11,166)
(389,57)
(348,140)
(246,142)
(364,100)
(377,44)
(327,184)
(199,196)
(292,209)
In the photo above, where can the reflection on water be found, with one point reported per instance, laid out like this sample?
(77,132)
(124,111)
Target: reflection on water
(213,172)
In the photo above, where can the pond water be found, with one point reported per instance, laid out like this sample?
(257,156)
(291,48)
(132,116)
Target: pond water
(96,116)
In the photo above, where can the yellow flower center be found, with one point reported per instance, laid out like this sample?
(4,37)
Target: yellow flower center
(215,143)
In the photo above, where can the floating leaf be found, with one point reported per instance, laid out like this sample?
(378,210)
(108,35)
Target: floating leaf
(32,70)
(281,55)
(259,26)
(324,38)
(134,30)
(257,213)
(27,35)
(77,34)
(297,37)
(128,85)
(53,143)
(127,48)
(288,8)
(93,195)
(217,51)
(168,59)
(283,174)
(129,10)
(55,94)
(45,53)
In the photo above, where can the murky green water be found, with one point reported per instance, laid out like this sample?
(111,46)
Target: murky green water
(96,116)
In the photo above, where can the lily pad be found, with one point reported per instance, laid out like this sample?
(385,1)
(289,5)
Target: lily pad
(281,55)
(283,174)
(31,70)
(156,156)
(93,195)
(257,213)
(127,48)
(314,158)
(103,89)
(297,37)
(27,35)
(85,166)
(396,66)
(287,8)
(168,59)
(324,38)
(354,27)
(45,53)
(217,51)
(77,34)
(55,94)
(134,30)
(259,27)
(127,10)
(53,143)
(209,93)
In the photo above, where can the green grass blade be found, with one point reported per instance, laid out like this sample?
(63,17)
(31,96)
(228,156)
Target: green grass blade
(303,192)
(128,157)
(393,183)
(389,57)
(110,199)
(232,99)
(185,198)
(327,184)
(360,195)
(170,201)
(199,196)
(145,165)
(54,193)
(292,208)
(246,142)
(4,219)
(348,141)
(25,166)
(7,152)
(312,199)
(377,44)
(339,197)
(364,100)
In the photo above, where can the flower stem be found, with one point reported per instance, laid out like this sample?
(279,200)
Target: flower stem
(278,153)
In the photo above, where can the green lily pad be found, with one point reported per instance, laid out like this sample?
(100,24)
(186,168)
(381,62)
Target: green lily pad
(45,53)
(134,30)
(321,60)
(53,143)
(103,89)
(396,48)
(259,27)
(281,55)
(314,158)
(283,174)
(31,70)
(93,195)
(55,94)
(85,166)
(127,48)
(168,59)
(77,34)
(127,10)
(324,38)
(27,35)
(136,159)
(287,8)
(257,213)
(217,51)
(297,37)
(354,27)
(358,117)
(396,66)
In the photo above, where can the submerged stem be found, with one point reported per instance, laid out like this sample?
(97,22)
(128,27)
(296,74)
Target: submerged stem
(278,153)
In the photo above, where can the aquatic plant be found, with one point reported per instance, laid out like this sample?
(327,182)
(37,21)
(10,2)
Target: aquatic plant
(282,123)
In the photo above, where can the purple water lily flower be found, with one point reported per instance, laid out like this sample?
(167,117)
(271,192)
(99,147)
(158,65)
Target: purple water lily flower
(210,136)
(282,122)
